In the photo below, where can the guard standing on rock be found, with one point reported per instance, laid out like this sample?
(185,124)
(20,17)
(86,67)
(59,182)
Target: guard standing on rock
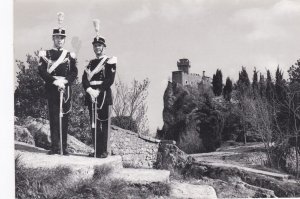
(58,70)
(97,79)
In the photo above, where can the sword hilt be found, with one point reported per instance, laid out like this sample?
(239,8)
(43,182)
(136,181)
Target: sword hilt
(61,90)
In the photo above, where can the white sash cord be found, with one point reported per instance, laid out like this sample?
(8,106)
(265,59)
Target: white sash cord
(58,61)
(90,73)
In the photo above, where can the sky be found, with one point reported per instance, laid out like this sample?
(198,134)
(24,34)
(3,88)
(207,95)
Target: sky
(149,36)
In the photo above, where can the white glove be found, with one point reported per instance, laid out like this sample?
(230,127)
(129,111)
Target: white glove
(61,79)
(60,83)
(96,93)
(93,93)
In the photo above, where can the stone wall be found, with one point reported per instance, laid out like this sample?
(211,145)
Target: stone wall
(136,151)
(184,79)
(177,76)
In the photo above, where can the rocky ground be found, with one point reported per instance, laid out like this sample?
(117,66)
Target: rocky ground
(236,170)
(81,167)
(32,140)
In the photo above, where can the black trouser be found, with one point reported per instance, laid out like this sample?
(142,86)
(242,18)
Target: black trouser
(53,106)
(101,128)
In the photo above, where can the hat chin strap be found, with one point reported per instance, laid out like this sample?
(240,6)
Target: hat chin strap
(100,54)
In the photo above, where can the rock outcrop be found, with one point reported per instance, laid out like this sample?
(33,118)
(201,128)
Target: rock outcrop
(179,118)
(170,157)
(136,151)
(38,130)
(191,118)
(23,135)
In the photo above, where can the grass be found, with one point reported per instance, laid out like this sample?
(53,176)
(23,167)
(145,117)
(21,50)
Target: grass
(101,172)
(130,165)
(54,184)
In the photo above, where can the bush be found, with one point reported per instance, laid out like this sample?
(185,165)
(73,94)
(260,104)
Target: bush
(232,125)
(29,94)
(79,123)
(210,125)
(125,122)
(101,172)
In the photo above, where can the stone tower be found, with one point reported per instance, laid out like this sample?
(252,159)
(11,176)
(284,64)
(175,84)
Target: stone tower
(184,65)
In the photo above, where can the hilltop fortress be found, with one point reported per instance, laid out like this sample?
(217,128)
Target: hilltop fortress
(184,77)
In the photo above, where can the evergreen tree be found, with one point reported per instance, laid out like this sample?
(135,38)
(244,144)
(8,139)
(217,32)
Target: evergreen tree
(262,86)
(227,89)
(269,87)
(243,83)
(279,85)
(217,83)
(294,72)
(210,125)
(255,83)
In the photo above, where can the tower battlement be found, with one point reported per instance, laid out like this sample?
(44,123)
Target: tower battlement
(184,77)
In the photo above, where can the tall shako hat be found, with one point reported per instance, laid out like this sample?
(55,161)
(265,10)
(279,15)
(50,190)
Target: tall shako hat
(59,31)
(98,38)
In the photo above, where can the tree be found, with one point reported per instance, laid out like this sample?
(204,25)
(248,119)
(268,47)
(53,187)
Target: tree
(255,87)
(210,125)
(131,102)
(288,120)
(243,84)
(269,87)
(217,83)
(259,115)
(279,85)
(30,99)
(294,72)
(227,89)
(262,86)
(125,122)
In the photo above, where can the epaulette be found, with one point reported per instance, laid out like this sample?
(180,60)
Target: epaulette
(42,53)
(112,60)
(73,55)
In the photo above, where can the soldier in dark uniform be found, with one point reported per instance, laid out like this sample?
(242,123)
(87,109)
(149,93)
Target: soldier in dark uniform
(58,69)
(97,79)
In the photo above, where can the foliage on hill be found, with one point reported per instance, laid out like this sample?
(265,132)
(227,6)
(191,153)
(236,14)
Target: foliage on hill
(264,110)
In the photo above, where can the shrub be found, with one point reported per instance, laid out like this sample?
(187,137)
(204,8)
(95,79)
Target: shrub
(125,122)
(29,94)
(101,172)
(210,125)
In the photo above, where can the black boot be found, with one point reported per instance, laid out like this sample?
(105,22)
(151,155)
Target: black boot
(52,152)
(104,155)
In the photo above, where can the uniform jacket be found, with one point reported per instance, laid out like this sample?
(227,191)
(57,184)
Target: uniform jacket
(102,80)
(66,69)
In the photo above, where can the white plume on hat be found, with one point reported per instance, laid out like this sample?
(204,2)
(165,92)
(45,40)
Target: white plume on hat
(96,23)
(60,18)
